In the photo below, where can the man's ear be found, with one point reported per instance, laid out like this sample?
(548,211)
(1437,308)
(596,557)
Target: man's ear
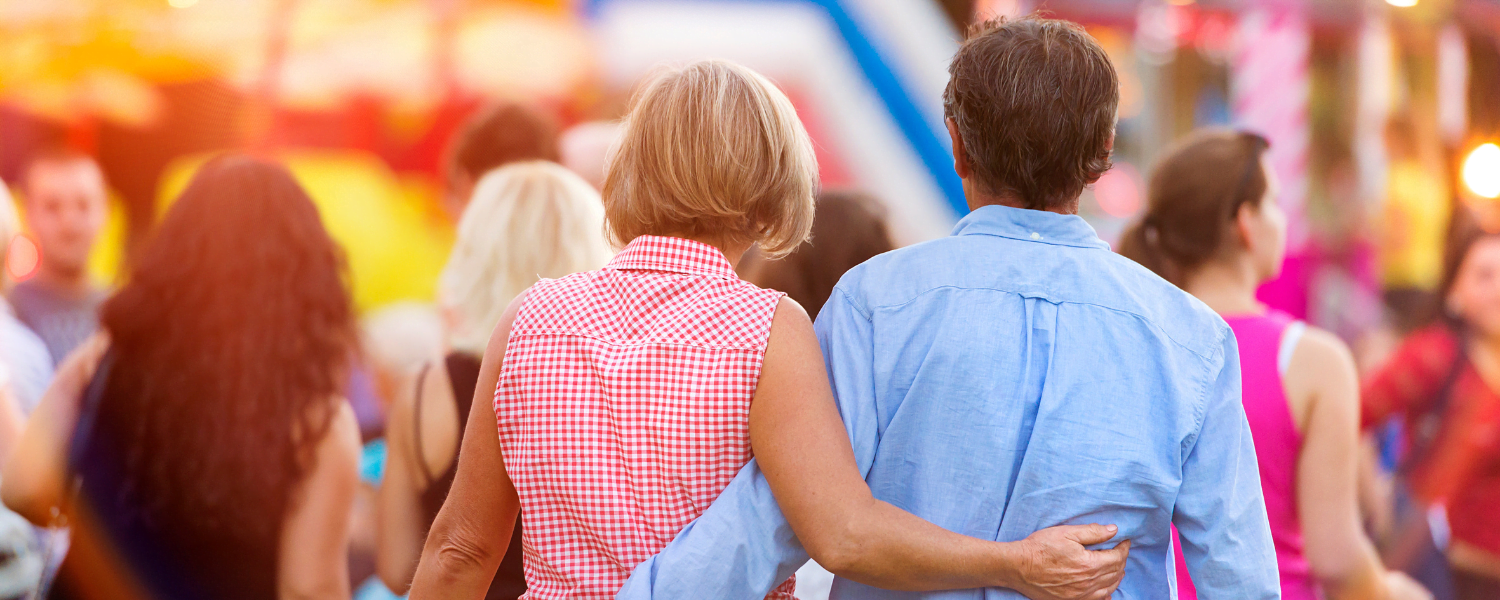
(960,155)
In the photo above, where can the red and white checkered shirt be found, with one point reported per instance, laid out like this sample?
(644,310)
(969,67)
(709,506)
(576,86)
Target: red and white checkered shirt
(623,407)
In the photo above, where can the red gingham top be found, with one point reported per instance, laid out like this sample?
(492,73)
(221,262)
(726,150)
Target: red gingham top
(623,408)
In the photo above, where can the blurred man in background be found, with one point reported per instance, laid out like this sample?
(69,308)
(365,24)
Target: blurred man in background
(493,137)
(65,208)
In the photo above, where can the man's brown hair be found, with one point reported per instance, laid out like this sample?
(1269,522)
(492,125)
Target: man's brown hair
(501,134)
(1034,101)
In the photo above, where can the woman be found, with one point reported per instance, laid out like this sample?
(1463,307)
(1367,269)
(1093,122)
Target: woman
(1212,226)
(849,228)
(1442,381)
(524,221)
(631,395)
(199,447)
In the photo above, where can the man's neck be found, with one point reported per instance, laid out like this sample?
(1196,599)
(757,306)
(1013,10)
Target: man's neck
(978,199)
(69,284)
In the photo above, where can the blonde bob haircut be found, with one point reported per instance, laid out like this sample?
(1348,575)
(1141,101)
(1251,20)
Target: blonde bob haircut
(525,221)
(714,151)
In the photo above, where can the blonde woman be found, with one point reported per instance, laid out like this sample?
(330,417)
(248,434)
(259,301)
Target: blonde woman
(630,396)
(524,221)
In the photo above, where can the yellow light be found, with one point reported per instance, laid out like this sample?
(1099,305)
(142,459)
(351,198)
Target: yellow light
(181,3)
(1401,3)
(1482,171)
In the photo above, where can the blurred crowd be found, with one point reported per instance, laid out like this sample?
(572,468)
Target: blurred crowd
(297,449)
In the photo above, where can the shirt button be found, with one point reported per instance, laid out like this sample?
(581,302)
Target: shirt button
(1036,236)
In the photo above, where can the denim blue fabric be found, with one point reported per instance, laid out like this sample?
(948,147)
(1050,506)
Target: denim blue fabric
(1011,377)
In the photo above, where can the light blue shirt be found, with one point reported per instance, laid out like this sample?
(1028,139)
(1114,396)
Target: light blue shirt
(1011,377)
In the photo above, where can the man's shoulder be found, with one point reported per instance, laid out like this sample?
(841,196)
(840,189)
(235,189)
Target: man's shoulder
(1129,287)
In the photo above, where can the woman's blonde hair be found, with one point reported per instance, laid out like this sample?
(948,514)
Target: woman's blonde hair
(713,149)
(525,221)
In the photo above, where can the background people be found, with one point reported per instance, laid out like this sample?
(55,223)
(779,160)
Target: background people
(1300,388)
(500,134)
(624,404)
(1440,383)
(212,454)
(66,204)
(525,221)
(849,228)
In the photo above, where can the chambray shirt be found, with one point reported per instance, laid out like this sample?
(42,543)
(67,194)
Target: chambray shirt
(1011,377)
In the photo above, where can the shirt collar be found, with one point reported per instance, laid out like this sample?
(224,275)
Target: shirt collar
(1030,226)
(672,255)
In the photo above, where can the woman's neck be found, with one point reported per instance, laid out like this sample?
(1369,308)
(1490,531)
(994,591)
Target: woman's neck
(1227,288)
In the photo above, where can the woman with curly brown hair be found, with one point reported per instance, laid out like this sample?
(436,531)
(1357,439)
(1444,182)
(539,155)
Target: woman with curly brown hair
(200,448)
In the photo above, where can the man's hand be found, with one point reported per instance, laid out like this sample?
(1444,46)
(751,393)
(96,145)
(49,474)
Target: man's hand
(1054,563)
(1398,586)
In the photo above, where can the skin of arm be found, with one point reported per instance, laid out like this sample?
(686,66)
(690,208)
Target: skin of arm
(798,439)
(1323,389)
(35,475)
(472,531)
(12,422)
(314,556)
(402,524)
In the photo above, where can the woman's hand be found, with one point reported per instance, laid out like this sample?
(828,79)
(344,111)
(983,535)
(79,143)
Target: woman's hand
(1057,565)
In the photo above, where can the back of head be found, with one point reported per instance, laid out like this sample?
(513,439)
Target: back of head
(498,135)
(525,220)
(230,339)
(1034,101)
(713,150)
(1193,196)
(849,229)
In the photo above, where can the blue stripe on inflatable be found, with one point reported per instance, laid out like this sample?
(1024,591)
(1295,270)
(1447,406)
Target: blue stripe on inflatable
(935,156)
(924,141)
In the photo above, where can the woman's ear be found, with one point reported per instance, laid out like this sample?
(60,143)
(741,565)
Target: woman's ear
(1244,225)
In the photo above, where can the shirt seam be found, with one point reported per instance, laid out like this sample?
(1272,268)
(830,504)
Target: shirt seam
(1200,410)
(1044,240)
(1141,317)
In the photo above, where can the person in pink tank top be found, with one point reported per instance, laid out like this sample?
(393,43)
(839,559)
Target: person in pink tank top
(1213,227)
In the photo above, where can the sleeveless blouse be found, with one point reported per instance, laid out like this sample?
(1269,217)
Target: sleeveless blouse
(1266,343)
(623,409)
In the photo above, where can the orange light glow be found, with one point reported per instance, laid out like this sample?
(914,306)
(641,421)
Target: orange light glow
(22,258)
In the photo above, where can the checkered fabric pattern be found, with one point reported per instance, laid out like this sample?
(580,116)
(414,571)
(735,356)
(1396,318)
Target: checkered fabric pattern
(623,407)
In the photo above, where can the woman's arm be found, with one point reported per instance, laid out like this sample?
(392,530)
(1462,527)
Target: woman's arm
(1323,393)
(36,475)
(401,521)
(314,557)
(801,444)
(473,529)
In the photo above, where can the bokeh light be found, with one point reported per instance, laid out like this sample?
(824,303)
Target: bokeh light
(1401,3)
(1118,191)
(23,257)
(181,3)
(1482,171)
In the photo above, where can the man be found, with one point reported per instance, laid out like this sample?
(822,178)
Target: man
(494,137)
(65,208)
(1018,374)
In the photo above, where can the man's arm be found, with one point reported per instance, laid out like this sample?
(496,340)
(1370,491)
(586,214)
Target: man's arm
(1220,513)
(742,546)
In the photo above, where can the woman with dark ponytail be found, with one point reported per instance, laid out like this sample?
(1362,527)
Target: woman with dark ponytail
(1213,228)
